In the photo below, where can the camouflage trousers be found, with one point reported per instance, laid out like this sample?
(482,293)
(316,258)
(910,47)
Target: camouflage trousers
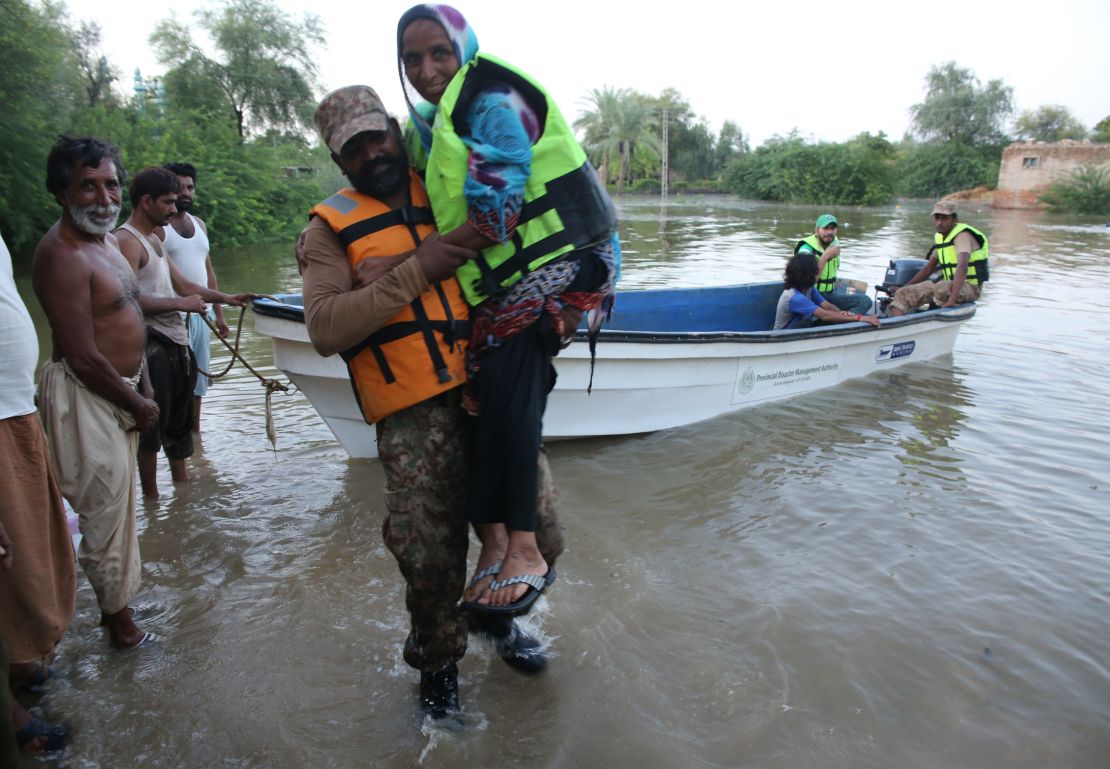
(423,453)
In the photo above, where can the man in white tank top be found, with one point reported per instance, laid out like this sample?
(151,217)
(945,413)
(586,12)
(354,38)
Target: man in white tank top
(186,242)
(163,295)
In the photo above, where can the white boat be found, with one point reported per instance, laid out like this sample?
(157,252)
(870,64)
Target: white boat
(666,358)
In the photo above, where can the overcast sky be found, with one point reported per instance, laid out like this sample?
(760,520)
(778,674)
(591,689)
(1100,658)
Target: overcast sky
(830,69)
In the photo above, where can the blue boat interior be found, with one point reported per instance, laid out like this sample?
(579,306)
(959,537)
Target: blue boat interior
(667,310)
(749,307)
(700,315)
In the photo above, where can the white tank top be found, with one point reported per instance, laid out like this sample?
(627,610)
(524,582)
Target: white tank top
(188,254)
(154,281)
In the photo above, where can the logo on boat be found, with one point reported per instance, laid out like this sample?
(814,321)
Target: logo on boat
(895,351)
(747,382)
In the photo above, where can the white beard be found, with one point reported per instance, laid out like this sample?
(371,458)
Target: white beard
(83,218)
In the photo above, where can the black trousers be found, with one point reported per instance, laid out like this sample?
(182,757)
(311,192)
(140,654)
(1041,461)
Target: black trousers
(505,439)
(173,375)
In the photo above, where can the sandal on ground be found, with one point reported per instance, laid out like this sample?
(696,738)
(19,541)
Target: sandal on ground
(56,735)
(36,682)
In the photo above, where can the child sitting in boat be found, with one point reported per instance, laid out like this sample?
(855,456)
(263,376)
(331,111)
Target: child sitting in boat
(801,305)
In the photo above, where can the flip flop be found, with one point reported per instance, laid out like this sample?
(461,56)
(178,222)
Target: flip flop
(536,585)
(489,571)
(36,682)
(147,638)
(57,735)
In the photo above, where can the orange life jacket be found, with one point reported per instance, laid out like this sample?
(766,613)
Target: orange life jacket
(420,352)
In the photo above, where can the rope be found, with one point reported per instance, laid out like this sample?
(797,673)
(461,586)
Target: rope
(271,385)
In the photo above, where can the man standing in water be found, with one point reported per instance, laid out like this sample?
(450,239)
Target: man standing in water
(164,296)
(186,243)
(379,290)
(94,394)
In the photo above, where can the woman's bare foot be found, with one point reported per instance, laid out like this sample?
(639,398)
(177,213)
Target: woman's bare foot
(495,540)
(522,557)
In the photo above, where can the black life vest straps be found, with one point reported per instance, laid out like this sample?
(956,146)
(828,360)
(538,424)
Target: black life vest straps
(587,215)
(407,214)
(451,330)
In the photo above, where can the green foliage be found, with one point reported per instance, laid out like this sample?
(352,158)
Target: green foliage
(730,144)
(53,82)
(1049,123)
(265,69)
(625,128)
(615,123)
(958,109)
(789,170)
(645,186)
(38,90)
(98,74)
(1102,131)
(935,170)
(1085,191)
(246,193)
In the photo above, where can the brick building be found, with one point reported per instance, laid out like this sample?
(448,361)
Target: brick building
(1028,168)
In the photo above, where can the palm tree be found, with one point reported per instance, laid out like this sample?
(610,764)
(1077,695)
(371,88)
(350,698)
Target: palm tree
(615,122)
(598,121)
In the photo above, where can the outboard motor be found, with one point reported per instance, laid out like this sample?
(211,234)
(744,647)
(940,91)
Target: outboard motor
(898,274)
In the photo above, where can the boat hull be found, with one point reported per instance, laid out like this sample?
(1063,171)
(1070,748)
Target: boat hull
(647,380)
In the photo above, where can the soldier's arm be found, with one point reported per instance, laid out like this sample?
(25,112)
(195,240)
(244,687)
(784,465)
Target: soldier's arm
(339,315)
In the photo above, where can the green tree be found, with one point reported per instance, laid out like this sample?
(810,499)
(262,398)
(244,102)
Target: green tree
(265,70)
(958,109)
(39,90)
(617,122)
(98,73)
(786,168)
(730,144)
(598,123)
(1049,123)
(1102,131)
(933,170)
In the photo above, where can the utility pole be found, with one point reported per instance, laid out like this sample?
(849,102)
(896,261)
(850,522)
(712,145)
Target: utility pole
(666,171)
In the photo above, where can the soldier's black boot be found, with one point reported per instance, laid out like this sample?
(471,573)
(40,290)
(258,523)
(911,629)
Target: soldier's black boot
(520,650)
(439,691)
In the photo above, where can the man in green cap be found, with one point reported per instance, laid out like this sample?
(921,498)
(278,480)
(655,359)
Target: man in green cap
(824,245)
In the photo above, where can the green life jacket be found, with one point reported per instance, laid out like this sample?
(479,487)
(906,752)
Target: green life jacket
(414,148)
(826,281)
(565,206)
(977,266)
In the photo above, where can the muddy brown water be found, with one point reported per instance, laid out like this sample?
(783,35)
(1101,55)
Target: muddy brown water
(910,570)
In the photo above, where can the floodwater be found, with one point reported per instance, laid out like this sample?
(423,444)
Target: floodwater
(909,570)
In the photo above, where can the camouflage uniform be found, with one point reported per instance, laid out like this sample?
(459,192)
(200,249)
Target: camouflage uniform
(422,450)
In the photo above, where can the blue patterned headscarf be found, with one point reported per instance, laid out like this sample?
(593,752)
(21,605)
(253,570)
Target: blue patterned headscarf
(463,40)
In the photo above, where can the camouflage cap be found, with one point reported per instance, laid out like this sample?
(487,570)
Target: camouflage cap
(945,208)
(348,111)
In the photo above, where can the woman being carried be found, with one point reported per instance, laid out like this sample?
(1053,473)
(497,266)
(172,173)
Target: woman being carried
(506,177)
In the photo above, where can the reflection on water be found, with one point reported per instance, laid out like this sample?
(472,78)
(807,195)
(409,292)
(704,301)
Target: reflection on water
(907,570)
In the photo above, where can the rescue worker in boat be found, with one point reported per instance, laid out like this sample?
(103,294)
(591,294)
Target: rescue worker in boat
(961,252)
(825,245)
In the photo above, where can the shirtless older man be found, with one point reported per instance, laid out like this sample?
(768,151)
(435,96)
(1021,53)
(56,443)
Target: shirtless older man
(94,394)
